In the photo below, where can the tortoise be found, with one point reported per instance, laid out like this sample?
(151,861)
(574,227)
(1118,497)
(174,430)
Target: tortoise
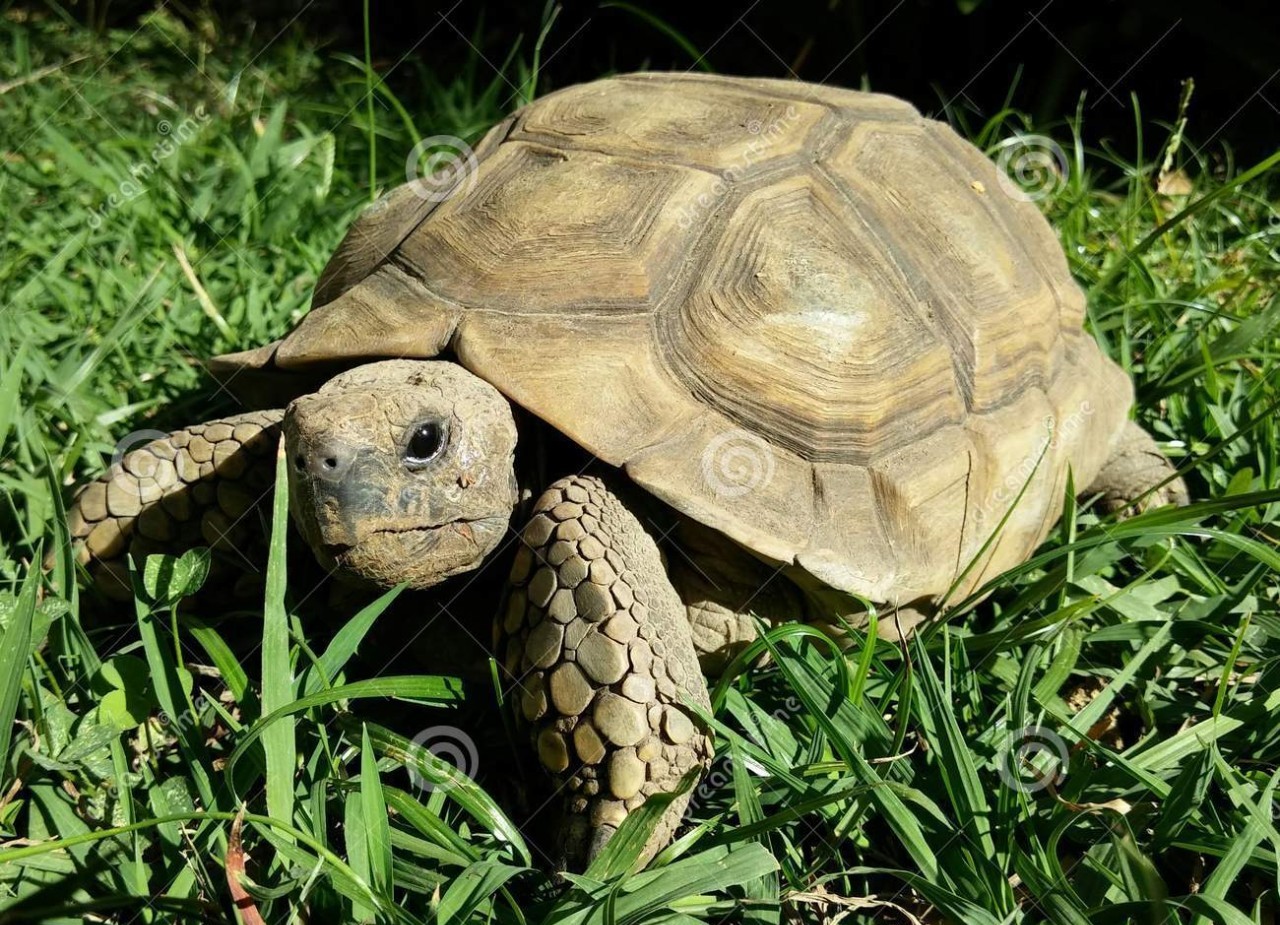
(679,352)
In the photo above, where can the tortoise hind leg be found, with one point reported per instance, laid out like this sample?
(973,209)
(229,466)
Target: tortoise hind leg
(727,592)
(600,650)
(1136,466)
(200,486)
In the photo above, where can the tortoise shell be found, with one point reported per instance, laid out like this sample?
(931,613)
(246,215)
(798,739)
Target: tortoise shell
(807,317)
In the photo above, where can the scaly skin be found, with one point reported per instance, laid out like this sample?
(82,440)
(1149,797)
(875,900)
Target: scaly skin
(196,486)
(1135,465)
(599,644)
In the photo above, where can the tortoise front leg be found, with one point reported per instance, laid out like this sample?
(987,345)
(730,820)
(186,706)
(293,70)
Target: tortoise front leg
(599,647)
(198,486)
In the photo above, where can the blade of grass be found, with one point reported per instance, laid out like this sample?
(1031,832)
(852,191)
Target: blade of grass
(13,660)
(279,741)
(374,811)
(346,641)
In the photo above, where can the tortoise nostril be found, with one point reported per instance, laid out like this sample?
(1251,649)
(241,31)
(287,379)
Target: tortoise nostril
(329,460)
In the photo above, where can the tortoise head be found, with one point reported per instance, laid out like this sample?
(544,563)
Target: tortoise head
(402,471)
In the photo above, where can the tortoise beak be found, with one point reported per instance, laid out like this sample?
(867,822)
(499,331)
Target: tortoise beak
(332,491)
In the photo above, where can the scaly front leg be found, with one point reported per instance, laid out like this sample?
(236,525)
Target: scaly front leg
(196,486)
(598,645)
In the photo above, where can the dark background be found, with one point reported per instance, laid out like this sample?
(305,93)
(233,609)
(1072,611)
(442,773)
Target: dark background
(969,56)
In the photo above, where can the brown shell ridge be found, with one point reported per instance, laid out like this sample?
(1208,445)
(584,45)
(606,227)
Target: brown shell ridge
(677,77)
(822,135)
(779,89)
(550,143)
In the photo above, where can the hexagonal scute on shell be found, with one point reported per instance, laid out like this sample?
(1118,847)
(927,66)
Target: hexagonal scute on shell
(715,126)
(801,328)
(1022,218)
(547,231)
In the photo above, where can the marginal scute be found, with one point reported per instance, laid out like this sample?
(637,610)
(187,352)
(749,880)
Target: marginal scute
(924,494)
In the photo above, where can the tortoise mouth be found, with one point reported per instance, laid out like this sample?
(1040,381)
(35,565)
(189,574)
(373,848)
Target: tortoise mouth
(421,556)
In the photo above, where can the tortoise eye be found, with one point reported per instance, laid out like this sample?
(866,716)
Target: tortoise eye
(425,443)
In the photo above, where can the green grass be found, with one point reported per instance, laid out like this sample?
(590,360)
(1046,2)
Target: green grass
(871,785)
